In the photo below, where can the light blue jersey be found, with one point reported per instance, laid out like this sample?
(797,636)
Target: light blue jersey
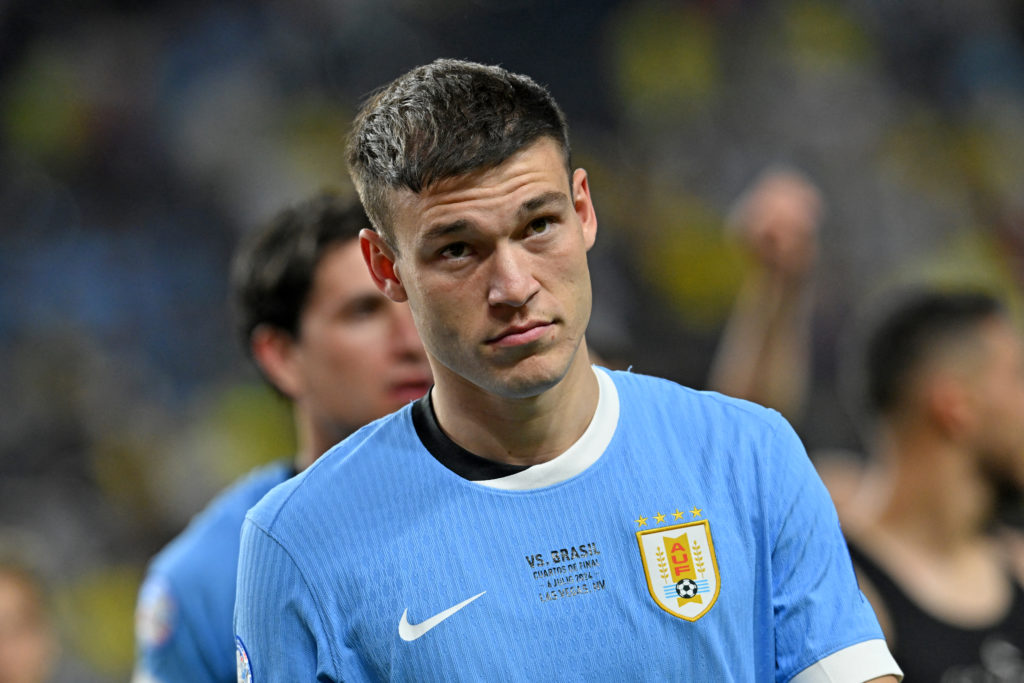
(685,536)
(183,619)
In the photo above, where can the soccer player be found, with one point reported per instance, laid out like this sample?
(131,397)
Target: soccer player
(342,353)
(944,380)
(535,517)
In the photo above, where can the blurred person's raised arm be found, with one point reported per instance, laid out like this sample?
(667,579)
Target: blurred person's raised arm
(764,354)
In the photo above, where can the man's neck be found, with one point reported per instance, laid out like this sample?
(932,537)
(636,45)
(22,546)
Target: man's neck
(926,492)
(519,431)
(924,526)
(314,438)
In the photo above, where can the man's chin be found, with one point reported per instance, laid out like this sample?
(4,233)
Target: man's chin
(1007,493)
(528,378)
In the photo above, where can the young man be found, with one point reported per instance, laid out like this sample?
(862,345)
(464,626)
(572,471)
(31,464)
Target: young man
(945,380)
(534,517)
(342,353)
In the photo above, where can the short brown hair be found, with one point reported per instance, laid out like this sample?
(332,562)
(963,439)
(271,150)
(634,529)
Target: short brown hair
(443,120)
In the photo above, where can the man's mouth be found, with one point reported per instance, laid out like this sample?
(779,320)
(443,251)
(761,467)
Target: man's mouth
(520,334)
(410,390)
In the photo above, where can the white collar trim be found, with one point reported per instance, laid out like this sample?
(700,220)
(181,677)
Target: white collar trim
(579,456)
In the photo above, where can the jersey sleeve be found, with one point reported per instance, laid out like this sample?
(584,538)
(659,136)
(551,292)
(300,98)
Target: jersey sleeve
(820,612)
(168,648)
(277,627)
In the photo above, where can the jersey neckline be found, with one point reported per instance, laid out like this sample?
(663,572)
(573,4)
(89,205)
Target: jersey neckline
(498,475)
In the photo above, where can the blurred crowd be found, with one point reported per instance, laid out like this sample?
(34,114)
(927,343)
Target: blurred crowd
(140,141)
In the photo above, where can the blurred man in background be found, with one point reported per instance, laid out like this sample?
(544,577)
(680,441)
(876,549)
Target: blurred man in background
(945,379)
(321,333)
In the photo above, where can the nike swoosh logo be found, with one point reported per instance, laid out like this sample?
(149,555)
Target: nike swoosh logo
(410,632)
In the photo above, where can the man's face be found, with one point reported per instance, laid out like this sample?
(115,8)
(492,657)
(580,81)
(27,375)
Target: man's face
(357,356)
(493,264)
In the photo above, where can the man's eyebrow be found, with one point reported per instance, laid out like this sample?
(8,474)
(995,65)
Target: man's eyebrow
(553,198)
(444,229)
(541,201)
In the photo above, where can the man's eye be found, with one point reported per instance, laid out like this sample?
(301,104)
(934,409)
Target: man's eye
(538,226)
(456,250)
(364,307)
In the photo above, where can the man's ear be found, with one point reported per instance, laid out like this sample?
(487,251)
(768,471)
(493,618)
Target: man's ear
(584,206)
(274,351)
(950,405)
(380,259)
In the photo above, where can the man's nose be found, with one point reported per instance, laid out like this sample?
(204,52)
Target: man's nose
(510,282)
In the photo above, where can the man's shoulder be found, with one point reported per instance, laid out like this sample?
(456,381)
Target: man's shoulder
(660,394)
(360,458)
(213,532)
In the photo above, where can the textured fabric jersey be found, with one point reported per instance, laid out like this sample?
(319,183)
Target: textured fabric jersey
(930,649)
(685,536)
(183,618)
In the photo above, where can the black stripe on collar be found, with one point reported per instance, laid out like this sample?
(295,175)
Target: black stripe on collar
(450,454)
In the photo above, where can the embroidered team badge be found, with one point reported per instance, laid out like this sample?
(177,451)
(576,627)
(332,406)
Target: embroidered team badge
(156,615)
(243,669)
(681,568)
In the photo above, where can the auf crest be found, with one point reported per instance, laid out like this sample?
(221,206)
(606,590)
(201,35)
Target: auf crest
(681,568)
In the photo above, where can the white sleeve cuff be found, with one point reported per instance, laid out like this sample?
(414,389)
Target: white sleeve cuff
(855,664)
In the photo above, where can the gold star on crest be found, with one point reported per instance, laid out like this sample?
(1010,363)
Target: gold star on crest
(696,512)
(642,521)
(677,514)
(659,518)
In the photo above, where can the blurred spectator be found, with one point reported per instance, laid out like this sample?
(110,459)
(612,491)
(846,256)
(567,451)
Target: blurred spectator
(342,354)
(944,379)
(765,352)
(29,646)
